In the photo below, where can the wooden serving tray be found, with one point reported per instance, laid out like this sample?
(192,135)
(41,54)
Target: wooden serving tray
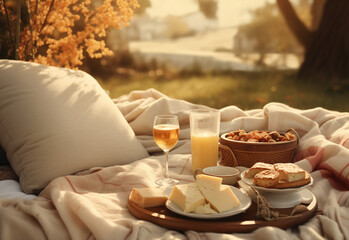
(243,222)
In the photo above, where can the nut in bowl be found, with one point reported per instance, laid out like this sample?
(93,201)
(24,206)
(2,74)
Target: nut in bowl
(229,175)
(242,148)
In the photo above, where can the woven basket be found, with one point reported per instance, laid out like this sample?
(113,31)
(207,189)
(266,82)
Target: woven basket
(238,153)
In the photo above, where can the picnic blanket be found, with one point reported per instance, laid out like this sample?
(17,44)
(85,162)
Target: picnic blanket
(93,203)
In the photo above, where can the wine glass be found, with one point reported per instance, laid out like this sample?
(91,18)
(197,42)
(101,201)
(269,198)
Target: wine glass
(166,134)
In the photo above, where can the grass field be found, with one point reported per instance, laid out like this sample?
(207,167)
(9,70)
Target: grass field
(246,90)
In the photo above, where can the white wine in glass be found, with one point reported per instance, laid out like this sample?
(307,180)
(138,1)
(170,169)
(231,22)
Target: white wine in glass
(166,134)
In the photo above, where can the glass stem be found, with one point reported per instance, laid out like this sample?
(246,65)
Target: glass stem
(166,165)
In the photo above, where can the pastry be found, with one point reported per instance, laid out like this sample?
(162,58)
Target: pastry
(298,183)
(258,167)
(278,175)
(267,178)
(289,172)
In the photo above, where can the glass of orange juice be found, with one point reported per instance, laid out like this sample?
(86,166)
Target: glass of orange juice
(204,134)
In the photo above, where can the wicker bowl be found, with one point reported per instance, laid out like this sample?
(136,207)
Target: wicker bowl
(238,153)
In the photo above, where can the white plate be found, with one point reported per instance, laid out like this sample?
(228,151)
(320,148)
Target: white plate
(245,203)
(274,190)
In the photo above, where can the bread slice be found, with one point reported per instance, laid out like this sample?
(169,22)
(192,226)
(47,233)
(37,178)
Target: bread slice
(289,172)
(267,178)
(298,183)
(256,168)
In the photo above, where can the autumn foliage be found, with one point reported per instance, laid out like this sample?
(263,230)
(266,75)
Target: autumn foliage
(62,32)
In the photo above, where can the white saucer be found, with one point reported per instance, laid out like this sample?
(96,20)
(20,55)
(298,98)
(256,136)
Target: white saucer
(288,200)
(245,203)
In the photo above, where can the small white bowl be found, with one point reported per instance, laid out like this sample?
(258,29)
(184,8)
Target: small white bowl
(230,175)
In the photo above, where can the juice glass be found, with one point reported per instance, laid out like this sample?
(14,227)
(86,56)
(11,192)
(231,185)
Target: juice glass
(204,134)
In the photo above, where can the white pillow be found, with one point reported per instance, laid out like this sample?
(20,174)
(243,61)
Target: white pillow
(56,121)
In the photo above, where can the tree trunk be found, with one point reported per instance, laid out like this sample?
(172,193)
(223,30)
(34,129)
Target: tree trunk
(297,27)
(327,47)
(327,55)
(316,12)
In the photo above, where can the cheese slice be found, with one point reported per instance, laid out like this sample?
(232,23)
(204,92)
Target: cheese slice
(187,197)
(210,182)
(222,200)
(221,197)
(204,209)
(148,197)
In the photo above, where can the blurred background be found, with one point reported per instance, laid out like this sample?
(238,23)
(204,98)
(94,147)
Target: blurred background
(230,52)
